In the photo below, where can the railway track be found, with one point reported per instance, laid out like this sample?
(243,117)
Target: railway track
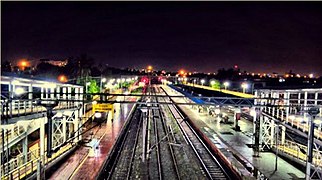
(210,164)
(123,149)
(166,158)
(157,143)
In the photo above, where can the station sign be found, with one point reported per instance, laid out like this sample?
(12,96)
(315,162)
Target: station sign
(102,107)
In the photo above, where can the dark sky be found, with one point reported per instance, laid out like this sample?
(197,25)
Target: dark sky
(258,36)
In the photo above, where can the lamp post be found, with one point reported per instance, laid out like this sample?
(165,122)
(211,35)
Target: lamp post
(226,84)
(103,80)
(244,86)
(212,83)
(202,81)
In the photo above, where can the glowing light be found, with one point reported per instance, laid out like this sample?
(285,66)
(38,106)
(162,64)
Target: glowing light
(62,78)
(244,85)
(311,75)
(226,84)
(23,63)
(98,115)
(202,81)
(19,91)
(103,79)
(213,82)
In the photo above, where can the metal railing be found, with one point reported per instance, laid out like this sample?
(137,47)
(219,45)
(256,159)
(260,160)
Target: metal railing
(294,149)
(22,166)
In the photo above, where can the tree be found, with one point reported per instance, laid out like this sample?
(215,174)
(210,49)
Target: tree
(84,64)
(6,66)
(93,88)
(215,84)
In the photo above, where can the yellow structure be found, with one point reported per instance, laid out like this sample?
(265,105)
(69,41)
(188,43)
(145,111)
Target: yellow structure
(235,93)
(102,107)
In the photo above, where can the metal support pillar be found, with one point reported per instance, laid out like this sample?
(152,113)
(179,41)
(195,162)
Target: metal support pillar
(25,149)
(52,93)
(47,91)
(287,108)
(283,135)
(42,93)
(49,131)
(276,141)
(30,92)
(257,127)
(42,138)
(69,94)
(58,92)
(299,99)
(64,95)
(237,115)
(10,90)
(312,112)
(272,124)
(76,126)
(144,116)
(310,149)
(305,108)
(64,128)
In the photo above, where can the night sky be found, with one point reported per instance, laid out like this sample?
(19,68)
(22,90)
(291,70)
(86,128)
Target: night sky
(258,36)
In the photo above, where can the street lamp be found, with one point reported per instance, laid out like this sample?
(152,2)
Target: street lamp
(244,86)
(103,80)
(202,82)
(212,83)
(226,84)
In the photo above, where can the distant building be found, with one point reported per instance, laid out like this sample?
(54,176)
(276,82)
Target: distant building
(60,63)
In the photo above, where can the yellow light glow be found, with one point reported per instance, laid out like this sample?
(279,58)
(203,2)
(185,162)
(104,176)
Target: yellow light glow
(62,78)
(311,75)
(23,63)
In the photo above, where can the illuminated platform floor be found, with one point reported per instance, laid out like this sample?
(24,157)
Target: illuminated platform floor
(238,141)
(81,165)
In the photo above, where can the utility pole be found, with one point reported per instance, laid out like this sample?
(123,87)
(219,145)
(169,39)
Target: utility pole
(276,143)
(144,116)
(313,111)
(49,105)
(257,127)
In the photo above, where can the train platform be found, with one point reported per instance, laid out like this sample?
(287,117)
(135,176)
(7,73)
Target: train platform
(84,163)
(235,145)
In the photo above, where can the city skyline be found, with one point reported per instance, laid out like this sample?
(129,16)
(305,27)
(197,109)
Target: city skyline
(258,36)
